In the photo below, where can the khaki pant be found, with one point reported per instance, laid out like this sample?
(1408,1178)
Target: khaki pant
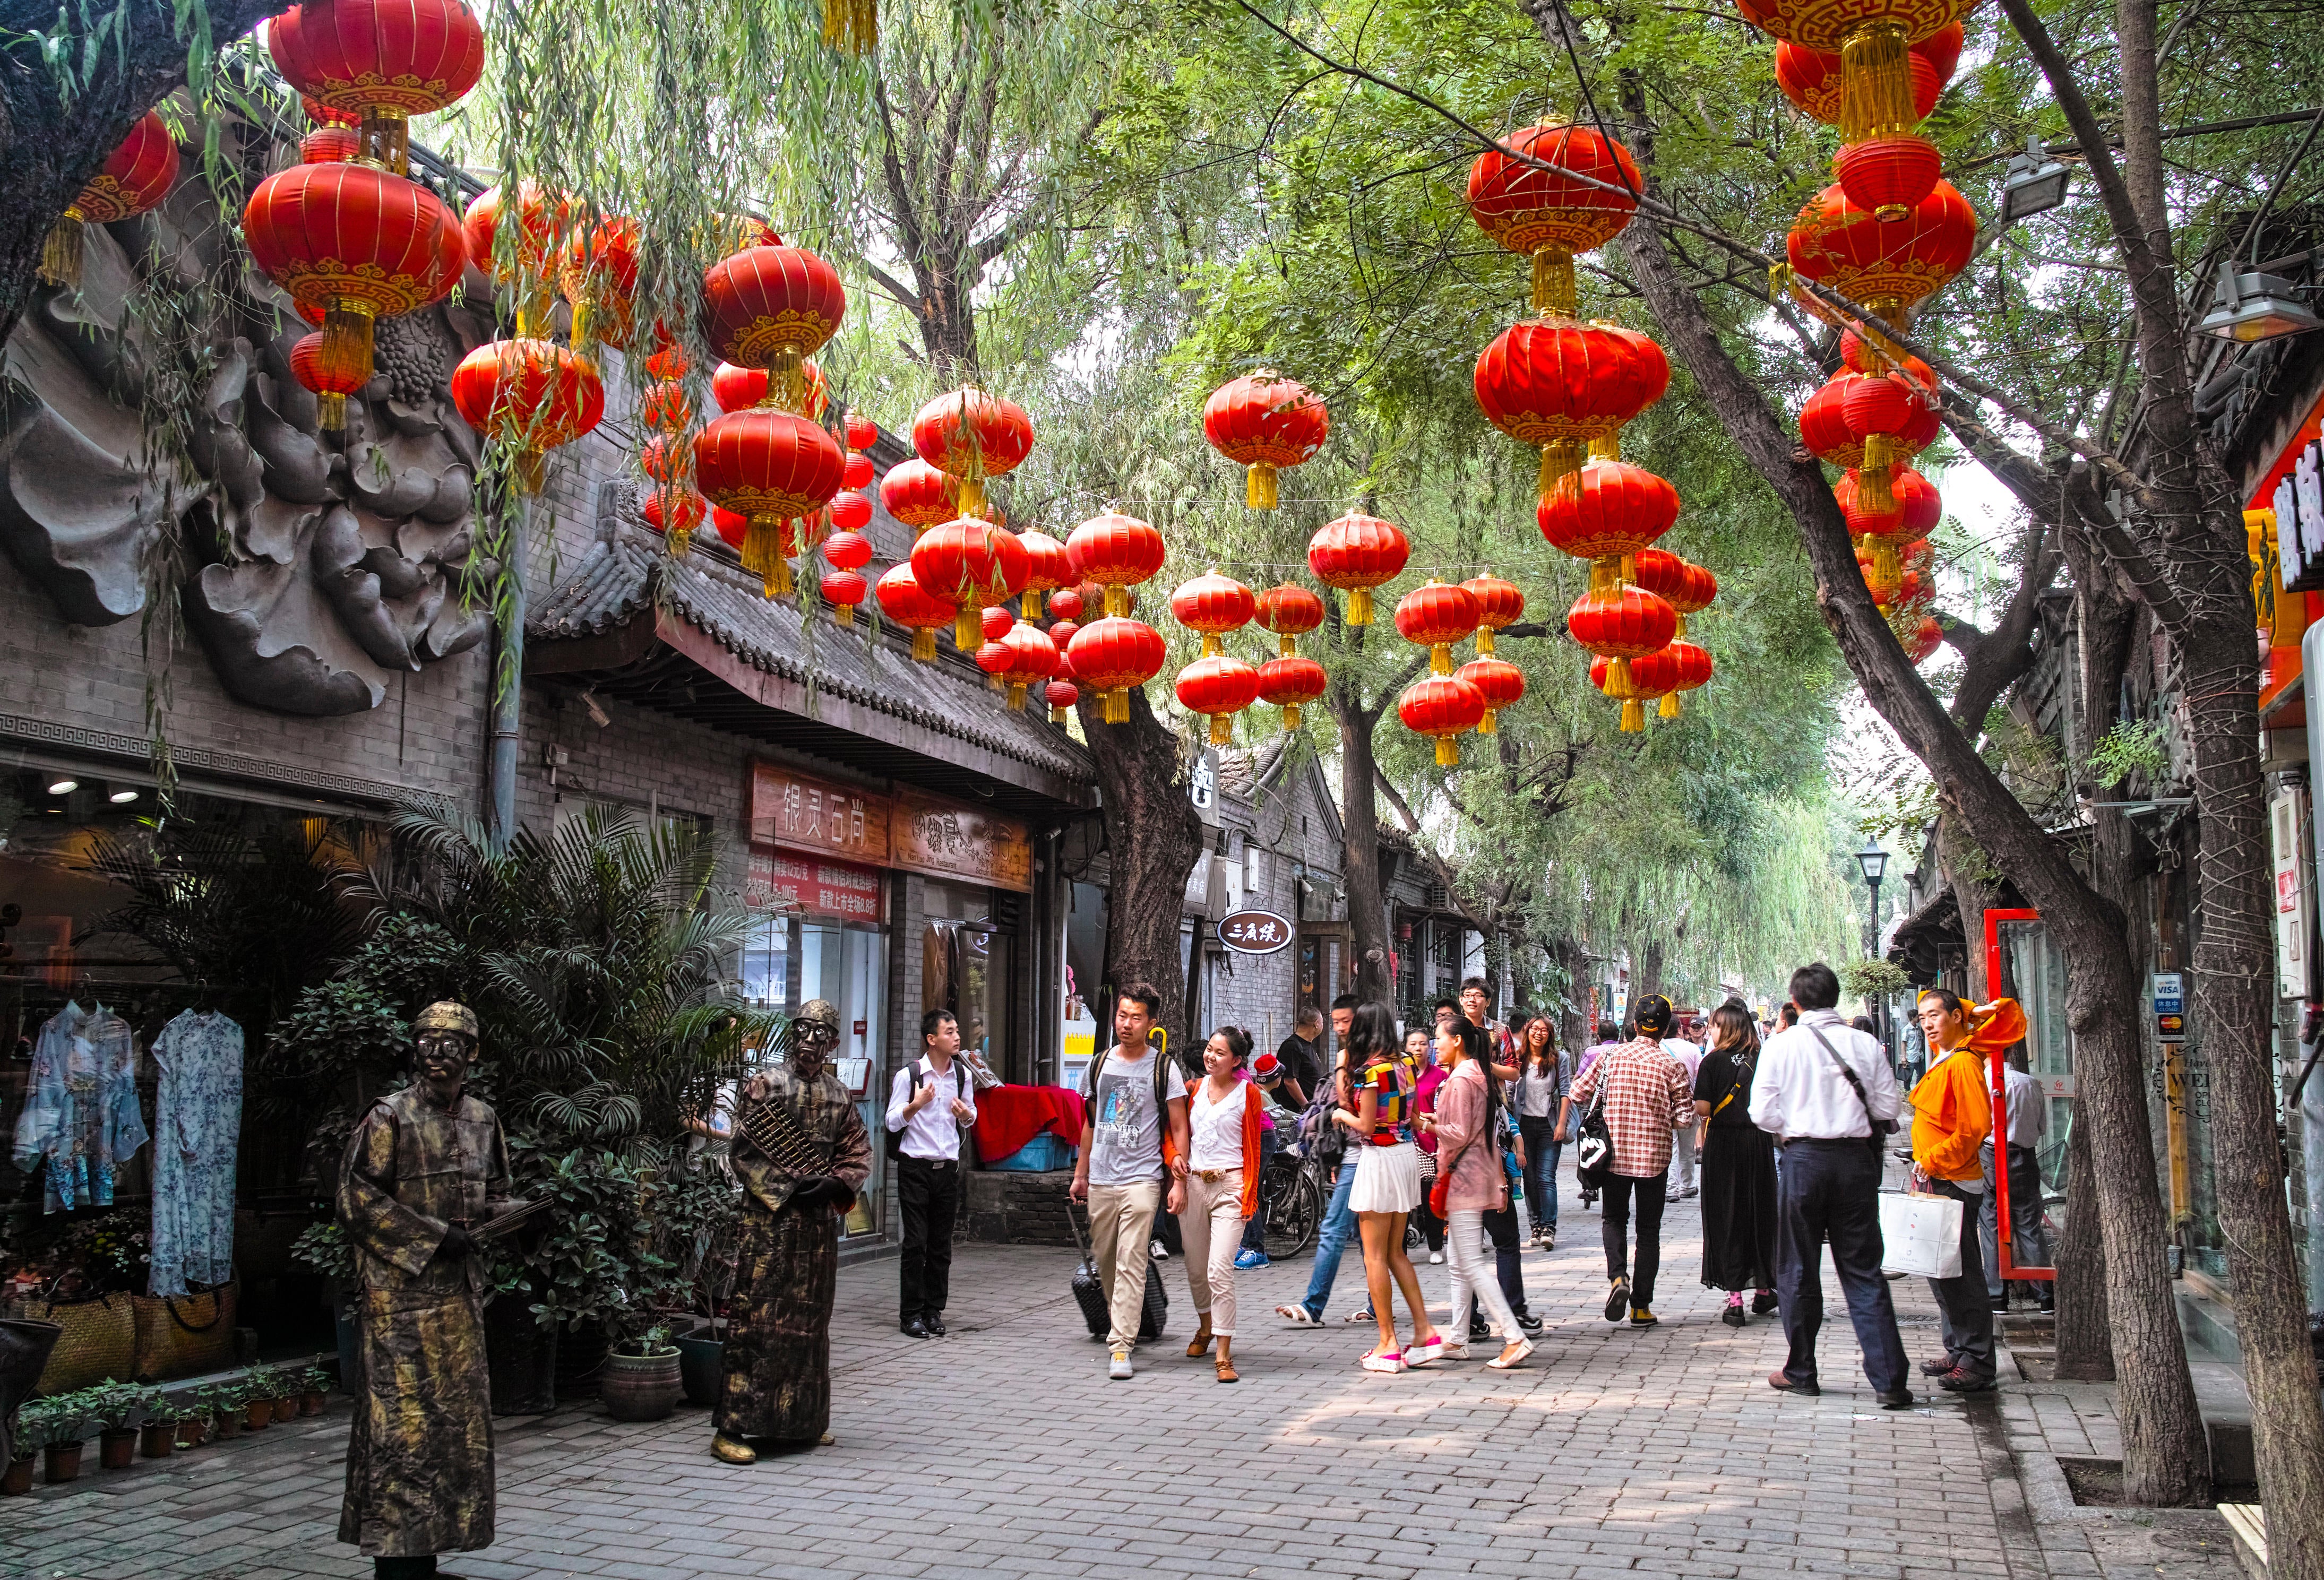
(1213,1228)
(1121,1229)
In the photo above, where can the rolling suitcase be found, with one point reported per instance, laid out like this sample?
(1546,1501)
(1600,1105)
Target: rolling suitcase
(1089,1292)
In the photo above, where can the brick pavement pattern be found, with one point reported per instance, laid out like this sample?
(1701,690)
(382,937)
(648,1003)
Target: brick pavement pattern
(1003,1450)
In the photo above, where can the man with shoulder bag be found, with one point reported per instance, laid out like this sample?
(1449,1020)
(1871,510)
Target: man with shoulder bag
(1826,1092)
(931,1104)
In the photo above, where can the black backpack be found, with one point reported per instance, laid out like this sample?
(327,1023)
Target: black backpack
(894,1139)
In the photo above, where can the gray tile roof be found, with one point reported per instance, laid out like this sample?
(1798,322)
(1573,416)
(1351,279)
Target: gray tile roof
(619,581)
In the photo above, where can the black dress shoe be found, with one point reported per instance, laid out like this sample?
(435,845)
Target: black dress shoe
(934,1322)
(1902,1398)
(913,1327)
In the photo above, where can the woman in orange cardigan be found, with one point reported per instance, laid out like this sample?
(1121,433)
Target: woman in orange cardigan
(1953,1117)
(1223,1115)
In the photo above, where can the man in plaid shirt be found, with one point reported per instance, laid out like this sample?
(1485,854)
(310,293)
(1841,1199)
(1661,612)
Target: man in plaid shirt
(1648,1097)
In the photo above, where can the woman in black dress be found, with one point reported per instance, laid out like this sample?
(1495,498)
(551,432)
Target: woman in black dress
(1738,1169)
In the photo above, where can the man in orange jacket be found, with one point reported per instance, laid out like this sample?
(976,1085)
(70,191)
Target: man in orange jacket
(1953,1117)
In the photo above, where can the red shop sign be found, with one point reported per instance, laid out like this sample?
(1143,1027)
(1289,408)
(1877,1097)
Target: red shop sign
(782,881)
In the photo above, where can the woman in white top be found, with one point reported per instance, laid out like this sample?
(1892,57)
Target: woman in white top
(1223,1115)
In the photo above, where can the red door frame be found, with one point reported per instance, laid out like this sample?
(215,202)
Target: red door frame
(2000,1105)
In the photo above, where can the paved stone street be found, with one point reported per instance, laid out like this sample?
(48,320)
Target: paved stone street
(1003,1450)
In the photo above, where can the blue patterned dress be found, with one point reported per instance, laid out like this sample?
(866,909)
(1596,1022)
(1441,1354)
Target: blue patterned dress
(80,1108)
(198,1121)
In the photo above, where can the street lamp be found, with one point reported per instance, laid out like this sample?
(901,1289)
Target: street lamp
(1874,860)
(2256,307)
(2036,184)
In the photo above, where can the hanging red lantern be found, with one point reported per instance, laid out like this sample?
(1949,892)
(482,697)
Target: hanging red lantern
(996,622)
(1549,216)
(862,433)
(1499,681)
(1919,502)
(1444,707)
(1863,520)
(858,472)
(353,244)
(1872,38)
(1219,687)
(1701,588)
(598,274)
(1823,422)
(1113,654)
(850,511)
(919,496)
(1066,604)
(1356,554)
(380,61)
(1559,385)
(1660,573)
(969,564)
(772,308)
(1115,552)
(1213,605)
(666,459)
(1290,683)
(327,145)
(1263,421)
(1879,409)
(1606,512)
(664,407)
(1051,567)
(1290,612)
(1888,175)
(1061,634)
(1061,695)
(532,394)
(1928,636)
(992,656)
(771,468)
(135,177)
(1809,78)
(1499,604)
(732,530)
(331,387)
(1693,668)
(531,263)
(1623,624)
(668,360)
(1883,266)
(1649,676)
(843,591)
(847,549)
(1033,658)
(1435,615)
(902,601)
(682,514)
(973,435)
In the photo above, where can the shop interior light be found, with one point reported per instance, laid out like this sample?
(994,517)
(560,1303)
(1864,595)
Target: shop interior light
(2036,184)
(63,787)
(122,797)
(2256,307)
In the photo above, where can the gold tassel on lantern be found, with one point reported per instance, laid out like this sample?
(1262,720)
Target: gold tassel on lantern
(1440,659)
(1875,83)
(1030,603)
(923,644)
(331,410)
(1222,729)
(994,683)
(971,501)
(1887,570)
(1116,708)
(1258,486)
(1116,602)
(60,251)
(1056,715)
(1016,696)
(1485,726)
(531,470)
(787,381)
(1561,458)
(1634,717)
(1359,607)
(1212,646)
(842,614)
(1448,751)
(1875,495)
(347,341)
(1607,572)
(1669,709)
(1607,447)
(384,140)
(1290,716)
(851,25)
(1554,294)
(762,545)
(968,628)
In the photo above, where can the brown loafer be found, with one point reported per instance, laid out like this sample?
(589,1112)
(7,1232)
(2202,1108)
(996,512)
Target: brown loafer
(1227,1373)
(1783,1384)
(1201,1346)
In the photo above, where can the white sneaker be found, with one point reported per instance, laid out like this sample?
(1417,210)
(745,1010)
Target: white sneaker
(1436,1259)
(1117,1367)
(1158,1250)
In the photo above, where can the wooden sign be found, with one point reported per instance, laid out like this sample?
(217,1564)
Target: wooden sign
(801,812)
(945,839)
(779,880)
(1255,931)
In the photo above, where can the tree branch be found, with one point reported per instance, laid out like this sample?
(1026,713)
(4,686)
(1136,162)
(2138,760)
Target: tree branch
(1436,863)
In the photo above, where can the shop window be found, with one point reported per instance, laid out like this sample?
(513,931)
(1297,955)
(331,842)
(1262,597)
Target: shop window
(789,959)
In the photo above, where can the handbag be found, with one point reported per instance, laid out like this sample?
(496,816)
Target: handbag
(1920,1235)
(1593,1146)
(183,1336)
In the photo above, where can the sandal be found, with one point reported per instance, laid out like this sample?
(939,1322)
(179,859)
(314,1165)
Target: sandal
(1202,1341)
(1227,1373)
(1390,1361)
(1298,1317)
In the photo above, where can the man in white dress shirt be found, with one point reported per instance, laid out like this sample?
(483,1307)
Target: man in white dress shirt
(934,1099)
(2029,1242)
(1680,1181)
(1826,1092)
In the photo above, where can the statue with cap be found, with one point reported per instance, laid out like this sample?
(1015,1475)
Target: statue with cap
(777,1393)
(425,1171)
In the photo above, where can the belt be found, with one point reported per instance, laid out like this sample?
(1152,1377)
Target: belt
(1212,1176)
(933,1162)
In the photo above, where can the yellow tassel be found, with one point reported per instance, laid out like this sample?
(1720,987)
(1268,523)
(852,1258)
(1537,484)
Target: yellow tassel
(1678,632)
(993,682)
(1117,706)
(384,140)
(1484,641)
(347,339)
(1440,659)
(1210,646)
(1359,607)
(923,644)
(681,542)
(1873,492)
(1485,726)
(1634,717)
(1606,446)
(61,250)
(1448,751)
(1287,646)
(778,582)
(1016,696)
(1056,715)
(968,628)
(1291,716)
(971,497)
(581,316)
(531,471)
(1561,458)
(1618,678)
(844,614)
(1606,574)
(787,379)
(1887,570)
(1875,83)
(1669,710)
(1778,276)
(331,410)
(1258,486)
(1222,729)
(1116,602)
(851,25)
(1030,603)
(1554,294)
(1629,569)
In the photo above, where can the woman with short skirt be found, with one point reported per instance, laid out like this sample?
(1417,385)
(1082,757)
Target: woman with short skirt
(1380,1083)
(1738,1169)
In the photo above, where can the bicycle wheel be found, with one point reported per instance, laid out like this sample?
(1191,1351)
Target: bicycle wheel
(1293,1216)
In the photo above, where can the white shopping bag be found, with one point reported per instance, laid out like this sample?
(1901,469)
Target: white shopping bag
(1920,1235)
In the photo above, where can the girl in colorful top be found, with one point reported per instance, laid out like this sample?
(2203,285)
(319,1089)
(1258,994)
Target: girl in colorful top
(1380,1082)
(1223,1118)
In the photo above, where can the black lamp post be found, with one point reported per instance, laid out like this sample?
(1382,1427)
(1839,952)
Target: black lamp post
(1874,860)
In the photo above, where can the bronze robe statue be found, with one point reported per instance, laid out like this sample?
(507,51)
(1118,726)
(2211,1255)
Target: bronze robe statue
(779,1342)
(420,1460)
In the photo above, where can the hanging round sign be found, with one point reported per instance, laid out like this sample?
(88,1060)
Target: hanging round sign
(1255,931)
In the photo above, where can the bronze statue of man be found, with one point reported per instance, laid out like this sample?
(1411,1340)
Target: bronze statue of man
(426,1166)
(801,1160)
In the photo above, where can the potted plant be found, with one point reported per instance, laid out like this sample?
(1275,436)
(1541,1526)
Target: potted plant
(222,1401)
(257,1404)
(695,1216)
(283,1389)
(118,1408)
(324,1247)
(641,1382)
(313,1386)
(159,1434)
(34,1421)
(193,1424)
(61,1443)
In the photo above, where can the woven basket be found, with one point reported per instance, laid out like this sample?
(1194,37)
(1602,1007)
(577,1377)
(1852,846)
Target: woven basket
(99,1341)
(184,1335)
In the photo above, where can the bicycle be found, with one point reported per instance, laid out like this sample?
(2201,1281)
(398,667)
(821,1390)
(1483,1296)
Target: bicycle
(1292,1187)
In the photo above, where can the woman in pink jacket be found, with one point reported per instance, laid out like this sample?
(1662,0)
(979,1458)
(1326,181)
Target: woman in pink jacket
(1467,1153)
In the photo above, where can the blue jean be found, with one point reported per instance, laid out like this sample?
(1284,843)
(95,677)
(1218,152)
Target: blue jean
(1541,1169)
(1254,1231)
(1828,1193)
(1339,1228)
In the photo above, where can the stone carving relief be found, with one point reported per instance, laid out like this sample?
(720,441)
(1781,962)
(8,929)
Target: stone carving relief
(319,564)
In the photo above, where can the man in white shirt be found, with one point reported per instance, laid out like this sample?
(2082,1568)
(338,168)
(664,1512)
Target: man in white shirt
(2029,1242)
(934,1099)
(1134,1140)
(1826,1092)
(1680,1181)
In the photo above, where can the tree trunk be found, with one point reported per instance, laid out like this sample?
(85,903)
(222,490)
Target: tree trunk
(1153,835)
(1359,842)
(2084,1352)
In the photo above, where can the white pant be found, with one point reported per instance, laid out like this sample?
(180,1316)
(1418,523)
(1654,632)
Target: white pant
(1475,1278)
(1211,1227)
(1681,1164)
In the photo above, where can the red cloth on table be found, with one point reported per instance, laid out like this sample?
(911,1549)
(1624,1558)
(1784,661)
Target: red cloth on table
(1007,1116)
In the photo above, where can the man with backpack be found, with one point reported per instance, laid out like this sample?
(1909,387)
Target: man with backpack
(1316,1130)
(1133,1146)
(933,1100)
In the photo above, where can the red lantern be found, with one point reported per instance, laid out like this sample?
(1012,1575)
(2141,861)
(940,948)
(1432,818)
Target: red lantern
(970,564)
(1885,266)
(1662,574)
(995,621)
(665,460)
(1356,554)
(1213,605)
(682,514)
(327,145)
(1927,637)
(773,308)
(1888,175)
(1499,681)
(1290,612)
(1061,633)
(771,468)
(599,277)
(843,590)
(541,226)
(1066,604)
(847,549)
(1435,616)
(135,177)
(1863,520)
(1290,683)
(1693,668)
(858,472)
(1696,596)
(1560,385)
(383,60)
(1879,408)
(1051,567)
(850,511)
(664,407)
(1499,604)
(992,656)
(862,433)
(1626,623)
(668,362)
(331,387)
(1219,687)
(732,530)
(902,601)
(1033,658)
(1264,421)
(1548,216)
(1445,707)
(1116,552)
(1604,512)
(1113,654)
(918,495)
(353,244)
(1918,500)
(1649,676)
(1061,695)
(1809,78)
(532,394)
(973,435)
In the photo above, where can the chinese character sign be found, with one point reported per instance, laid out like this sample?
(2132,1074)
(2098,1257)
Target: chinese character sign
(801,812)
(1255,931)
(781,881)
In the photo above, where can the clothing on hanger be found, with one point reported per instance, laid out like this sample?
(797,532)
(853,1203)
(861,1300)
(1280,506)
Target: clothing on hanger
(80,1108)
(198,1124)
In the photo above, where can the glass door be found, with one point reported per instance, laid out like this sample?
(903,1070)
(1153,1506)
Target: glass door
(790,958)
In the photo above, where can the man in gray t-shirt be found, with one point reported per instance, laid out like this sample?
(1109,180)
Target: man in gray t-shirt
(1133,1139)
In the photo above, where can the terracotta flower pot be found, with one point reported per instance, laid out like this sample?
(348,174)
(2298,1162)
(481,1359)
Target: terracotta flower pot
(61,1462)
(117,1447)
(156,1438)
(258,1414)
(18,1480)
(310,1403)
(286,1409)
(641,1388)
(226,1423)
(191,1431)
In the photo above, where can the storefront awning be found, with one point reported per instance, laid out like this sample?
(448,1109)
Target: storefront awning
(695,638)
(1926,940)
